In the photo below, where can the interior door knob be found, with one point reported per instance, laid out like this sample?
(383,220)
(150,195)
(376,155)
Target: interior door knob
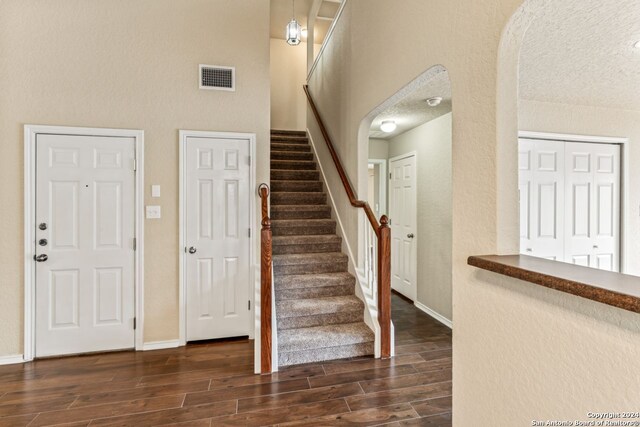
(410,236)
(192,250)
(595,246)
(41,258)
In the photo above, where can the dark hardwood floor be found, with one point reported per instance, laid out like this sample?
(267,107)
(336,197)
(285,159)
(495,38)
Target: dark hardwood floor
(213,385)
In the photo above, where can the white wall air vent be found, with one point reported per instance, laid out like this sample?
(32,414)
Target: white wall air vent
(216,77)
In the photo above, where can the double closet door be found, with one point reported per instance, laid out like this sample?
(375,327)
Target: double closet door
(570,202)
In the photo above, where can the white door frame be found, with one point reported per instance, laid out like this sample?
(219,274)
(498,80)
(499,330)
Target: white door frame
(624,175)
(182,147)
(30,133)
(416,239)
(383,182)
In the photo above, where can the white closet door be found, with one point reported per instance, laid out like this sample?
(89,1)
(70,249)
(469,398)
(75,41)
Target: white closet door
(592,212)
(541,186)
(85,225)
(217,235)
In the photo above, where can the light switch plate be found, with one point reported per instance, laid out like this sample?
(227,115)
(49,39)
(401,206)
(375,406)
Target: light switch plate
(155,190)
(154,212)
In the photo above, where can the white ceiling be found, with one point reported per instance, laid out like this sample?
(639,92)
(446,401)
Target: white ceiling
(581,52)
(281,14)
(412,111)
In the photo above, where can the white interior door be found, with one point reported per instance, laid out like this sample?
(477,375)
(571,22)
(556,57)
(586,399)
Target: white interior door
(593,206)
(217,239)
(541,185)
(371,188)
(402,209)
(85,229)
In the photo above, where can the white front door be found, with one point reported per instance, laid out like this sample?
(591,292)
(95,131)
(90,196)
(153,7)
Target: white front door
(402,209)
(593,205)
(217,222)
(541,184)
(85,229)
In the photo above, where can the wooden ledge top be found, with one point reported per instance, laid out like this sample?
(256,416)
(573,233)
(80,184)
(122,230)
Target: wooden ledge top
(616,289)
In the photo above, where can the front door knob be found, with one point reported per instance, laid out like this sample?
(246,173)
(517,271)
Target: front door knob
(410,236)
(41,258)
(42,226)
(192,250)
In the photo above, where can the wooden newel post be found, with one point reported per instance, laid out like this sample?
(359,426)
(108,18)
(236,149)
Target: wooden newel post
(265,296)
(384,286)
(265,285)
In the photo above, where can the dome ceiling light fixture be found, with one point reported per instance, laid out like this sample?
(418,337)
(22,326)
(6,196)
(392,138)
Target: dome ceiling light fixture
(434,102)
(388,126)
(294,31)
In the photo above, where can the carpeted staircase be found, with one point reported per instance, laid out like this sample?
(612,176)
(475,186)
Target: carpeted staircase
(318,315)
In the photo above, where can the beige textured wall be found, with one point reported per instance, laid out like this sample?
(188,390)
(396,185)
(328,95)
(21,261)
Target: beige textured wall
(432,144)
(288,75)
(125,64)
(587,120)
(378,148)
(519,351)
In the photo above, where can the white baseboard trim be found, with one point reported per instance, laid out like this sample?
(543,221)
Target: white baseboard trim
(10,360)
(439,317)
(160,345)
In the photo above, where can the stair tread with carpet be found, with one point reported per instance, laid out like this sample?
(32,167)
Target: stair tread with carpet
(317,306)
(293,164)
(286,146)
(290,227)
(306,244)
(300,212)
(295,186)
(285,174)
(320,343)
(307,259)
(298,198)
(318,315)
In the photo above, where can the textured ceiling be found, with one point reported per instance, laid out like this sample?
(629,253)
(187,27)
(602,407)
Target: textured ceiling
(412,110)
(581,52)
(281,13)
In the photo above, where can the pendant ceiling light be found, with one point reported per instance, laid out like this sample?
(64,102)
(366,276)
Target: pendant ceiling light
(294,30)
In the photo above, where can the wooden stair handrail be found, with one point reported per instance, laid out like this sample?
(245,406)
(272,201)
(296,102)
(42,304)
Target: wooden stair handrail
(266,272)
(382,231)
(343,176)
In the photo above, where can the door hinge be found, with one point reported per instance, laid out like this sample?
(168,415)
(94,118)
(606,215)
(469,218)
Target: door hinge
(389,175)
(135,243)
(135,324)
(249,160)
(249,305)
(249,233)
(135,165)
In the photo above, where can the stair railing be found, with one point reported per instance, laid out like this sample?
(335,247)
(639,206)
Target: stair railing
(266,282)
(380,282)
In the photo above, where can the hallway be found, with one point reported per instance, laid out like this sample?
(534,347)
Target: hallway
(213,384)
